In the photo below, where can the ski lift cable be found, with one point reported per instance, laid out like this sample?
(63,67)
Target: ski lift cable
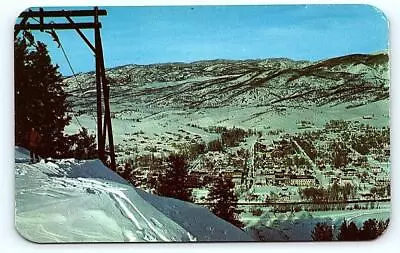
(77,120)
(60,45)
(58,41)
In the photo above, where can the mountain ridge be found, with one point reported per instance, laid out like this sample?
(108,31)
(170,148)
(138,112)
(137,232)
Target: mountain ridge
(276,84)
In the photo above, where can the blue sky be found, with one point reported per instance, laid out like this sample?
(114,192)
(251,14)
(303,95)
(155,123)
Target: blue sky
(145,35)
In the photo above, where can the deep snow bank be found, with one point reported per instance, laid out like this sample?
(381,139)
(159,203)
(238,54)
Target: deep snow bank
(83,201)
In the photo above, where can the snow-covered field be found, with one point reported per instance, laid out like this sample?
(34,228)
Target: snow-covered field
(83,201)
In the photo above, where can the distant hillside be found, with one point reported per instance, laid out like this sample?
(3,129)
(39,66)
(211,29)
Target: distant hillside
(353,79)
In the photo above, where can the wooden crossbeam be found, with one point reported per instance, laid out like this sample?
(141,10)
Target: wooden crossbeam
(62,13)
(63,26)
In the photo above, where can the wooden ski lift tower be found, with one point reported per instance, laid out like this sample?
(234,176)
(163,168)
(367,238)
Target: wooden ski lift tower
(102,85)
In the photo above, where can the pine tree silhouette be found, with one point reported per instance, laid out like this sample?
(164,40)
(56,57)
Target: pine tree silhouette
(83,145)
(372,229)
(348,232)
(173,183)
(322,232)
(40,100)
(224,200)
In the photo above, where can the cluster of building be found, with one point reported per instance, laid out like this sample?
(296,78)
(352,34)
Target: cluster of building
(279,165)
(279,169)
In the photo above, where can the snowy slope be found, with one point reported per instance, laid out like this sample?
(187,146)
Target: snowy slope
(83,201)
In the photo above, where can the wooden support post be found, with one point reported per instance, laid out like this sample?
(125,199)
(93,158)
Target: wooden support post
(109,126)
(106,93)
(100,137)
(41,19)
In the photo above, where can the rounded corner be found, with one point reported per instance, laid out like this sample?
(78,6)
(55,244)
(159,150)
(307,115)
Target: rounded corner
(380,12)
(24,235)
(25,9)
(384,232)
(19,14)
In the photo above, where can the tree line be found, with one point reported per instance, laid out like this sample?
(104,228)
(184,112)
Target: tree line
(332,193)
(348,231)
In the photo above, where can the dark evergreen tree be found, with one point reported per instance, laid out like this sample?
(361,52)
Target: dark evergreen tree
(40,101)
(196,149)
(82,145)
(382,226)
(232,137)
(339,154)
(224,200)
(369,231)
(215,145)
(322,232)
(127,173)
(372,229)
(348,232)
(173,183)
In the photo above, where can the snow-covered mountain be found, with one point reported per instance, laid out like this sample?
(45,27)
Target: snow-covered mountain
(353,79)
(83,201)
